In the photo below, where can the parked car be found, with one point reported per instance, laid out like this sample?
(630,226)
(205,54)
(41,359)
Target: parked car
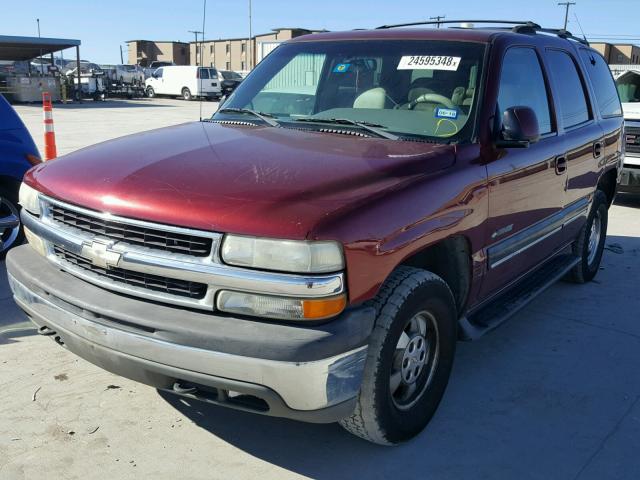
(185,81)
(125,74)
(153,66)
(315,250)
(229,81)
(629,89)
(18,153)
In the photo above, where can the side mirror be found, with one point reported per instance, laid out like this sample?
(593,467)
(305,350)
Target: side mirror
(519,128)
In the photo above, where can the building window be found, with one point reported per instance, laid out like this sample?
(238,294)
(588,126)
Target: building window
(228,66)
(211,49)
(244,47)
(228,46)
(243,65)
(197,49)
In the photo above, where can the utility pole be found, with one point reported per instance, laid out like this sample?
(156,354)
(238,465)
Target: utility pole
(566,12)
(121,57)
(196,32)
(437,18)
(250,53)
(40,57)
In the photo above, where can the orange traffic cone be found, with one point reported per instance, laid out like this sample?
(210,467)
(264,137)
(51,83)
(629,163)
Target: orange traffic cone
(50,151)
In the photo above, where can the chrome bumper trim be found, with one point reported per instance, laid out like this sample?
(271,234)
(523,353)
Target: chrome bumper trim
(302,385)
(206,270)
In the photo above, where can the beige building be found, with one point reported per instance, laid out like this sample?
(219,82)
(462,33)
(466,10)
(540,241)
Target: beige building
(234,54)
(621,53)
(143,52)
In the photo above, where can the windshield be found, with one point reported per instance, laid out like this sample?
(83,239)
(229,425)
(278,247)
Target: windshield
(628,86)
(408,88)
(231,75)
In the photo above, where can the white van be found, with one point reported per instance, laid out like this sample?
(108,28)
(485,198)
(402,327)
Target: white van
(185,81)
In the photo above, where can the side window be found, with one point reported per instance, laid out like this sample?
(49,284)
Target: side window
(159,73)
(603,85)
(204,73)
(571,101)
(522,84)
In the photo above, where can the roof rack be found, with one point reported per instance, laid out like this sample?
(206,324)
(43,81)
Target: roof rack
(444,22)
(525,27)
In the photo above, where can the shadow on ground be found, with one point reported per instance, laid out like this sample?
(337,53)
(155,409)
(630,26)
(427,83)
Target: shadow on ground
(554,393)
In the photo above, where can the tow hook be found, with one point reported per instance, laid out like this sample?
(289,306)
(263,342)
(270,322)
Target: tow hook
(178,388)
(46,331)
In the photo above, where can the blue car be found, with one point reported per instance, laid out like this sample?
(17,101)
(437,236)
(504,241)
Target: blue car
(18,154)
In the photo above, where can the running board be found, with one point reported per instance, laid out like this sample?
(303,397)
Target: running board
(507,304)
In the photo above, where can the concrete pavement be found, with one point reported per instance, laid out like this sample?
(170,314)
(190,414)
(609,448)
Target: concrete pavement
(553,394)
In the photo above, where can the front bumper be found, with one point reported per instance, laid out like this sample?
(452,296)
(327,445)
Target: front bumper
(310,373)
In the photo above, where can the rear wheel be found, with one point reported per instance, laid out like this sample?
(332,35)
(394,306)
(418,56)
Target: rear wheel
(589,245)
(11,233)
(186,94)
(409,359)
(151,92)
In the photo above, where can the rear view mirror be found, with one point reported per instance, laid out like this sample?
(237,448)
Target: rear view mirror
(519,128)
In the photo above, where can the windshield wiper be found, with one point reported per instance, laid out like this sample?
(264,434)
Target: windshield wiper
(368,126)
(262,116)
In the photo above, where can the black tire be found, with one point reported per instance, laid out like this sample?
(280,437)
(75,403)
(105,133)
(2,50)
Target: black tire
(9,205)
(186,94)
(151,92)
(379,416)
(589,264)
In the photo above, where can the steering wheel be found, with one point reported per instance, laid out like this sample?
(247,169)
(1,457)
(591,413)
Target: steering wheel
(432,98)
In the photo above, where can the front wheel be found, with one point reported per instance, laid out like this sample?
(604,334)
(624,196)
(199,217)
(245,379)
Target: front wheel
(409,360)
(151,92)
(11,233)
(186,94)
(589,245)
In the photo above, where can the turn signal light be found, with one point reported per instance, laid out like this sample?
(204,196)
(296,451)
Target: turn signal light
(323,308)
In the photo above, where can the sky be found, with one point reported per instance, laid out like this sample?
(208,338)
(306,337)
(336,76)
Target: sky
(104,26)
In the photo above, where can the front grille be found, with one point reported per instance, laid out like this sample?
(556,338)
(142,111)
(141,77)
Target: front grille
(181,288)
(133,234)
(632,138)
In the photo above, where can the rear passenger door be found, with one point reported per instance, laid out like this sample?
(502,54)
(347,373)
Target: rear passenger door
(581,132)
(526,190)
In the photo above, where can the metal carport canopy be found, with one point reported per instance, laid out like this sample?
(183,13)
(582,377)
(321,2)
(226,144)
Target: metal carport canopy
(26,48)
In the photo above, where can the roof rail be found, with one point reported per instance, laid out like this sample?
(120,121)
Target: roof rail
(444,22)
(525,26)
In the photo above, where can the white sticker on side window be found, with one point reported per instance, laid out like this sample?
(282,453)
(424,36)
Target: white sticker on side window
(429,62)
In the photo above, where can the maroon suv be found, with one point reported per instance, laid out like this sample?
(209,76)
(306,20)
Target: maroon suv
(314,251)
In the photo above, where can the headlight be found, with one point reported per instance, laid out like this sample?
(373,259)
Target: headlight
(282,255)
(29,199)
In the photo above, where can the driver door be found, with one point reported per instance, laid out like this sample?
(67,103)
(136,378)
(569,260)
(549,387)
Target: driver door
(526,185)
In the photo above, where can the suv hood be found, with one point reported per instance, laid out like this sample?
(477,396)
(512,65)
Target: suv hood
(275,182)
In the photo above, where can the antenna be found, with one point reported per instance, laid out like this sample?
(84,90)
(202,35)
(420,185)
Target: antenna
(578,21)
(204,17)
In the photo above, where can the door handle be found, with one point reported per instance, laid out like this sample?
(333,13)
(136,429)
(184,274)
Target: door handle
(597,149)
(561,164)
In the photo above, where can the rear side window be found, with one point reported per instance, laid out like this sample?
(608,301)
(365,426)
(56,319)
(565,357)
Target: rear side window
(603,85)
(571,101)
(204,73)
(522,84)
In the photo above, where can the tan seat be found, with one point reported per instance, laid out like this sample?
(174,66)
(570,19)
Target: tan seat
(373,98)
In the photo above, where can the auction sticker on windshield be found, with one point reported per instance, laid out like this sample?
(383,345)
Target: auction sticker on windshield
(429,62)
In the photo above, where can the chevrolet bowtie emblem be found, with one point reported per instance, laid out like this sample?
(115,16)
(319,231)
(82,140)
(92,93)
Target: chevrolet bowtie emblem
(100,253)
